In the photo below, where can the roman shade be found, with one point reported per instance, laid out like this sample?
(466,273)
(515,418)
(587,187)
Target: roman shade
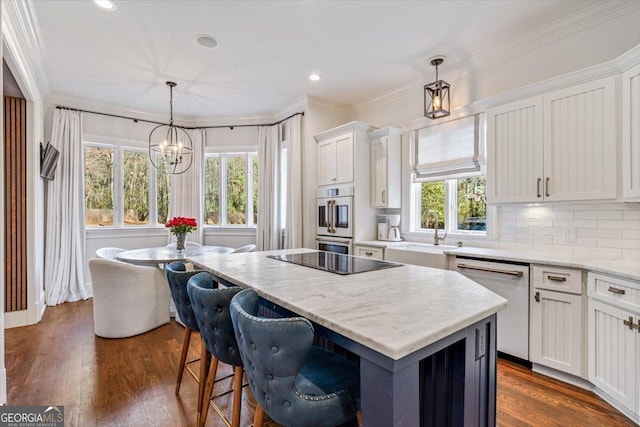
(454,149)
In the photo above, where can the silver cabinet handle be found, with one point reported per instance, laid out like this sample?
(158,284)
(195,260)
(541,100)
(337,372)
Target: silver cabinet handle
(616,290)
(383,196)
(557,278)
(546,187)
(491,270)
(368,253)
(538,187)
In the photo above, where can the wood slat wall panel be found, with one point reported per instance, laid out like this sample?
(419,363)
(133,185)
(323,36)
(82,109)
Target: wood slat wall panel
(15,167)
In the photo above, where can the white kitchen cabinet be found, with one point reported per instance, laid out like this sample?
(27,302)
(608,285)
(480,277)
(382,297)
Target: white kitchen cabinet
(369,252)
(631,134)
(335,160)
(556,147)
(614,341)
(557,319)
(385,168)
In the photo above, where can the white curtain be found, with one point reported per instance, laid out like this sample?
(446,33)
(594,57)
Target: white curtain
(187,188)
(268,233)
(293,232)
(65,233)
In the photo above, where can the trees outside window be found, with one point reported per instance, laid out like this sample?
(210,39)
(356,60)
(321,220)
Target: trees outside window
(122,189)
(460,204)
(231,189)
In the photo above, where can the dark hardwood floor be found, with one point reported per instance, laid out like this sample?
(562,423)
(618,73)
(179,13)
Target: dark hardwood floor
(130,381)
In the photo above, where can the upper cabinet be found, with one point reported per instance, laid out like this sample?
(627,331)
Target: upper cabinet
(335,160)
(386,187)
(631,134)
(557,147)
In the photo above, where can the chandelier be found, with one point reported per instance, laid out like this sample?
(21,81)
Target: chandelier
(170,146)
(436,95)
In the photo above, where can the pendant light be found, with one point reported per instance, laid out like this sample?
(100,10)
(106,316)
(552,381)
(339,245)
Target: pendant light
(170,146)
(436,95)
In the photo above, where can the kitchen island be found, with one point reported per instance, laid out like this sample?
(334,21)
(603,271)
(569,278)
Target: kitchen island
(425,337)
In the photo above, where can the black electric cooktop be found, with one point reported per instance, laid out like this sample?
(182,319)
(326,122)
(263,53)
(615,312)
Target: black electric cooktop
(334,262)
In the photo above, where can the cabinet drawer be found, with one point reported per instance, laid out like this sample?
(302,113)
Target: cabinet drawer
(622,293)
(368,252)
(557,279)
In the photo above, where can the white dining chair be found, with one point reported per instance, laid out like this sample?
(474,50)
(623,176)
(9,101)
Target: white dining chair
(247,248)
(108,252)
(127,299)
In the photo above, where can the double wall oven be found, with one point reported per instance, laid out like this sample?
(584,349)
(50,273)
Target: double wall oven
(334,225)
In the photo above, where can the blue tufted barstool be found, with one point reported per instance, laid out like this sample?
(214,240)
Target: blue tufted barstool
(178,276)
(211,308)
(295,383)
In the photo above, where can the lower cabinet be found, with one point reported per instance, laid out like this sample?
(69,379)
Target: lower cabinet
(369,252)
(557,319)
(614,340)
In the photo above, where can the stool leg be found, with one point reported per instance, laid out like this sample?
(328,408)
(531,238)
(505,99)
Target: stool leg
(205,357)
(258,419)
(183,357)
(359,418)
(208,390)
(237,395)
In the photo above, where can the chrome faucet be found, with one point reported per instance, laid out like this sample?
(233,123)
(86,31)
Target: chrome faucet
(436,238)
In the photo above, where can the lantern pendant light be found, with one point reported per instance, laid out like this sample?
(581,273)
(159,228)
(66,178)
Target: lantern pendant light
(436,95)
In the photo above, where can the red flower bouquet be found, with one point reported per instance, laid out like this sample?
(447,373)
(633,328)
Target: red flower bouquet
(181,225)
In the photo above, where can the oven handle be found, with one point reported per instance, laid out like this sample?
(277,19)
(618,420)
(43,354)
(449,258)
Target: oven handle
(330,240)
(333,216)
(491,270)
(329,213)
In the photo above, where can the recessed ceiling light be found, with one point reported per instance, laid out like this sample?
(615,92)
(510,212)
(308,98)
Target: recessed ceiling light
(206,41)
(314,77)
(106,4)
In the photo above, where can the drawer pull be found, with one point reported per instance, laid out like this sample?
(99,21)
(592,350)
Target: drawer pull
(368,253)
(491,270)
(616,290)
(557,278)
(629,323)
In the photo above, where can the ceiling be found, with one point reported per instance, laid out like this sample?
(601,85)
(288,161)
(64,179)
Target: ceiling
(267,49)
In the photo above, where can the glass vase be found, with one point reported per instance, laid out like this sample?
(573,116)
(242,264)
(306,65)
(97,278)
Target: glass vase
(180,242)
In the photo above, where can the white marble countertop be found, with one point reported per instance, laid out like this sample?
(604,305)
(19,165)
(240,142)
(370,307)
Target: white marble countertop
(394,311)
(624,268)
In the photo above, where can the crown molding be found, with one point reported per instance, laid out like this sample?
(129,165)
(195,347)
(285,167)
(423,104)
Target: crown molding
(629,59)
(603,70)
(300,104)
(324,106)
(21,32)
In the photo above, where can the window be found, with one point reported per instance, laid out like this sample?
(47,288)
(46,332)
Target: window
(460,205)
(231,189)
(121,189)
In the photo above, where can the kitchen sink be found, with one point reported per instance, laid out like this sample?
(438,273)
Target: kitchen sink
(419,254)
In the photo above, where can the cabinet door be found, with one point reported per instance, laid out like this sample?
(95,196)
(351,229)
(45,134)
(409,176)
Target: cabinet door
(514,152)
(580,142)
(326,166)
(343,159)
(613,353)
(556,331)
(379,173)
(631,134)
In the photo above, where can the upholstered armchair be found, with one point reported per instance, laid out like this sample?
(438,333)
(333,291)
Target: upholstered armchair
(127,299)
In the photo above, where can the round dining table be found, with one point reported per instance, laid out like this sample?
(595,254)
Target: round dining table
(165,255)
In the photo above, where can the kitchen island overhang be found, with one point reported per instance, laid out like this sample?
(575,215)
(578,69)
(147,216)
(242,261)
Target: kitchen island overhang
(419,332)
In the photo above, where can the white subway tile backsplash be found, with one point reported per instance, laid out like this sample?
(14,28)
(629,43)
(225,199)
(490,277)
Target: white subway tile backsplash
(598,215)
(606,230)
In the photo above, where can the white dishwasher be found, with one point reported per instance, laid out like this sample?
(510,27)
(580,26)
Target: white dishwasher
(510,281)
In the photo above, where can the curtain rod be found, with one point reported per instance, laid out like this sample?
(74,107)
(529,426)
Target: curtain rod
(136,120)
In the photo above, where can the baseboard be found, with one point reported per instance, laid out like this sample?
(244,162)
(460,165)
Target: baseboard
(562,376)
(15,319)
(613,402)
(3,386)
(514,359)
